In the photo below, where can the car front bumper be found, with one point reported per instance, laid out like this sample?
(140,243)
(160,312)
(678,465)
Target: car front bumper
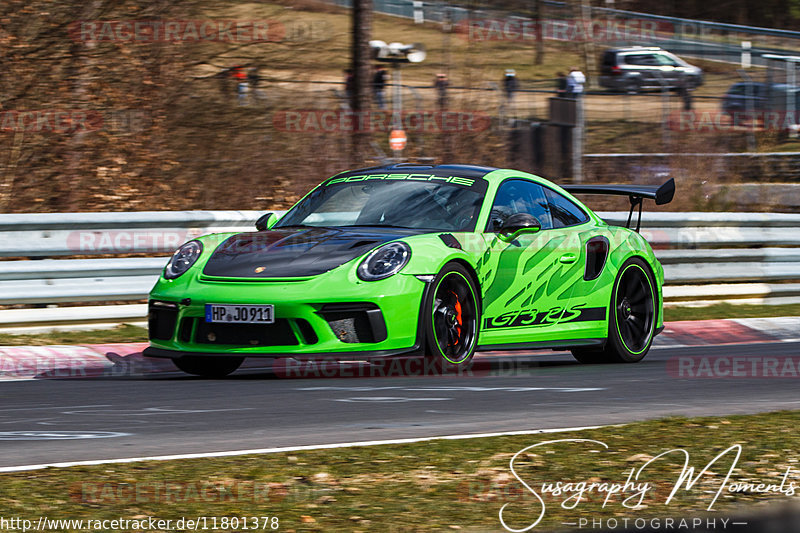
(318,317)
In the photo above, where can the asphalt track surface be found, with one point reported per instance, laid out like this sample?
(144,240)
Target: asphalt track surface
(172,413)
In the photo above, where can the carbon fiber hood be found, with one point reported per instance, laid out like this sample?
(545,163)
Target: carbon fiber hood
(295,252)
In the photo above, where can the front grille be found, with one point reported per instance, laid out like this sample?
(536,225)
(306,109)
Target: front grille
(185,331)
(307,331)
(355,322)
(161,319)
(278,334)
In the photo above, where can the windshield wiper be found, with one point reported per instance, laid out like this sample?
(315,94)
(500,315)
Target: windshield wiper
(295,226)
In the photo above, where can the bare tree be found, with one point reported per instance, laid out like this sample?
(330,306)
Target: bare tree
(362,28)
(537,19)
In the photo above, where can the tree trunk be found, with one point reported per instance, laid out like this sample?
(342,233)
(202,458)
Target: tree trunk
(537,20)
(362,76)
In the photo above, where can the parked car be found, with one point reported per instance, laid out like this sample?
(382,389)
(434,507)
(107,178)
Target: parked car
(759,96)
(634,68)
(433,261)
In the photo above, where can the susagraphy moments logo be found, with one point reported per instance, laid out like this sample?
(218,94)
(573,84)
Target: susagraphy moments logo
(639,484)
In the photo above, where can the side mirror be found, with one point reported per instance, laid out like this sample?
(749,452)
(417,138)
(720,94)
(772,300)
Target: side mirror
(518,224)
(266,221)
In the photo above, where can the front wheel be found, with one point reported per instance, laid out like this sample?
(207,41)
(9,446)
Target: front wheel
(451,318)
(632,321)
(208,366)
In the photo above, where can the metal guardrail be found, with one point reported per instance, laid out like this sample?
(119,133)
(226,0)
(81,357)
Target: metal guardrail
(57,234)
(707,257)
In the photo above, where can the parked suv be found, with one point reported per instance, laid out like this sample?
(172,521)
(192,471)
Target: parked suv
(773,105)
(757,96)
(634,68)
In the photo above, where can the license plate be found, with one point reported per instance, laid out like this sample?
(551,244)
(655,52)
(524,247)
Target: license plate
(240,314)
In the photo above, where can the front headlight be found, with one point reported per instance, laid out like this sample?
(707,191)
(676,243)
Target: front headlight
(386,261)
(183,259)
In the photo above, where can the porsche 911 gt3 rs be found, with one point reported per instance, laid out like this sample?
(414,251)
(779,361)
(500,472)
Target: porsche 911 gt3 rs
(435,261)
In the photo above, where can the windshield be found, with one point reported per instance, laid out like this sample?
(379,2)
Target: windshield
(432,205)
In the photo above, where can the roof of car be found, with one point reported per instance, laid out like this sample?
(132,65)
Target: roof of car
(785,87)
(637,49)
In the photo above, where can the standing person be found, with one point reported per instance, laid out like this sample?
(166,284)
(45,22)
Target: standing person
(561,84)
(441,85)
(510,84)
(379,86)
(240,77)
(685,93)
(575,82)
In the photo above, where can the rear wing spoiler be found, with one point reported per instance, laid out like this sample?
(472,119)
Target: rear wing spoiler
(662,194)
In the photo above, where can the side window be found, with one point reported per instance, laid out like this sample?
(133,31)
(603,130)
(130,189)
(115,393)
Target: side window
(737,90)
(640,59)
(665,60)
(563,211)
(519,196)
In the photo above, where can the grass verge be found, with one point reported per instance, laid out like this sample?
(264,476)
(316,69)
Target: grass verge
(723,310)
(121,333)
(434,485)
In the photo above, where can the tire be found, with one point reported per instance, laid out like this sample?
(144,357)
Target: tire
(208,366)
(588,356)
(632,317)
(451,319)
(633,86)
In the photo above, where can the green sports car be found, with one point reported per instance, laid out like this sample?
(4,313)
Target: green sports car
(430,261)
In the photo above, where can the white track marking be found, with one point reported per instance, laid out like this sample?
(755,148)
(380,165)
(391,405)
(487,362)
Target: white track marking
(455,389)
(388,399)
(294,448)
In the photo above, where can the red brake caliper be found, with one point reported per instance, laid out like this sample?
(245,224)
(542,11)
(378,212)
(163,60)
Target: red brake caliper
(458,315)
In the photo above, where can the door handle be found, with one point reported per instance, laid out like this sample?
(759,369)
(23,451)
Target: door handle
(568,258)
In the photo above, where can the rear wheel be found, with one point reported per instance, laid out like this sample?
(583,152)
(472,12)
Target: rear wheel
(451,318)
(208,366)
(631,326)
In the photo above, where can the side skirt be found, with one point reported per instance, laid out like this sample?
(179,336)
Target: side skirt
(539,345)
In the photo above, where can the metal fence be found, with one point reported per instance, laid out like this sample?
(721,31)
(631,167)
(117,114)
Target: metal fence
(708,257)
(693,38)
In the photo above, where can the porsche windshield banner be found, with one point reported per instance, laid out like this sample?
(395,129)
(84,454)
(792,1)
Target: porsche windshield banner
(455,180)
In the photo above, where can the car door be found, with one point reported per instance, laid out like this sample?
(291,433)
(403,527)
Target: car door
(589,283)
(646,68)
(527,282)
(669,68)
